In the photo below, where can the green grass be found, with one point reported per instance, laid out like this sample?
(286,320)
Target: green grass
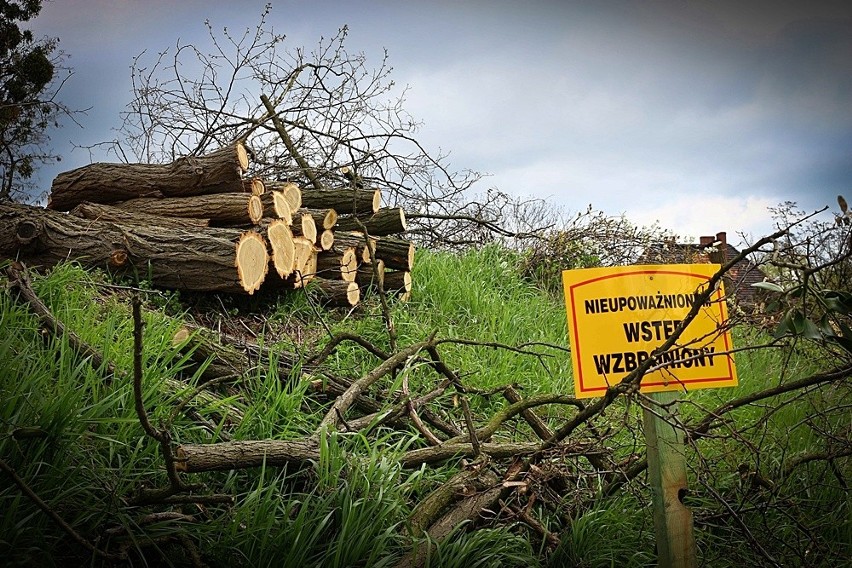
(73,436)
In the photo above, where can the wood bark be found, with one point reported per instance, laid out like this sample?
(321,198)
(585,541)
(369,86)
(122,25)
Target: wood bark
(398,254)
(335,293)
(225,360)
(343,200)
(217,172)
(333,265)
(388,221)
(222,209)
(201,259)
(305,226)
(275,205)
(196,458)
(111,214)
(324,218)
(193,458)
(397,281)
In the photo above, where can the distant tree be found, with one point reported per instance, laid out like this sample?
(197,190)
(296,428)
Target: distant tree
(28,89)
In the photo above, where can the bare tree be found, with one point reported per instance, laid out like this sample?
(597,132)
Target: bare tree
(321,117)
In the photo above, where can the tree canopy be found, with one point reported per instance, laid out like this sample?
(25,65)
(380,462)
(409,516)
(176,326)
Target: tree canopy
(28,89)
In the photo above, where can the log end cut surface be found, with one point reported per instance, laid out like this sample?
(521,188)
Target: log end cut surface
(252,261)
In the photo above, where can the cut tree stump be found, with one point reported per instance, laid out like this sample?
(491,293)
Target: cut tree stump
(222,209)
(200,259)
(217,172)
(111,214)
(343,200)
(383,222)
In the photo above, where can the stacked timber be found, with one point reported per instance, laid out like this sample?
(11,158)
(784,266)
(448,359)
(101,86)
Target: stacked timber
(201,224)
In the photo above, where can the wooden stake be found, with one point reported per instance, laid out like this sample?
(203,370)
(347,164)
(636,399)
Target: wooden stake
(667,477)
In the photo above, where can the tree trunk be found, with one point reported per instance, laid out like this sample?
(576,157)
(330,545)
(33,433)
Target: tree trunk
(202,259)
(343,200)
(221,208)
(217,172)
(111,214)
(381,223)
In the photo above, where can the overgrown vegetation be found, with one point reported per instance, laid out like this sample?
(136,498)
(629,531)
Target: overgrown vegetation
(70,432)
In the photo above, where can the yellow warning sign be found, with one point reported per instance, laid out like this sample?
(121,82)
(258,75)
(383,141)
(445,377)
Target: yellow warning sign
(618,316)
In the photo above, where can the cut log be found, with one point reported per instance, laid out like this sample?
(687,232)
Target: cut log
(344,200)
(254,186)
(305,265)
(217,172)
(335,293)
(111,214)
(346,239)
(325,218)
(275,205)
(381,223)
(306,227)
(283,250)
(252,261)
(332,265)
(201,259)
(354,178)
(370,275)
(222,209)
(326,240)
(398,254)
(398,281)
(289,190)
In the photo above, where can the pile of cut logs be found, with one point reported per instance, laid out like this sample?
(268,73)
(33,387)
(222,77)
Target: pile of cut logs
(199,224)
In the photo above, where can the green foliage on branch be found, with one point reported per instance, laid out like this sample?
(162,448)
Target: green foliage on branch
(28,106)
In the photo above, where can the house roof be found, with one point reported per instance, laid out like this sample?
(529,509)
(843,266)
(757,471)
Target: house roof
(738,281)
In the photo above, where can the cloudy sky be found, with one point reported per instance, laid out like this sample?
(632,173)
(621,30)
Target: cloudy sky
(698,114)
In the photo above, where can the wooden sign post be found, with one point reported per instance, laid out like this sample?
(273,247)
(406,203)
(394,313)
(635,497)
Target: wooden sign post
(667,477)
(617,318)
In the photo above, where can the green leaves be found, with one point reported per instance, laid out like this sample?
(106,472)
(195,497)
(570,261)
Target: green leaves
(817,315)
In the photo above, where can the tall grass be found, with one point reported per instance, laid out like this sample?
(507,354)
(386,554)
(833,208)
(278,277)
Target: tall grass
(71,432)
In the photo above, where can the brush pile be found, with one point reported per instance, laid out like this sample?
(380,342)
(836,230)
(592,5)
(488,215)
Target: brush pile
(200,224)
